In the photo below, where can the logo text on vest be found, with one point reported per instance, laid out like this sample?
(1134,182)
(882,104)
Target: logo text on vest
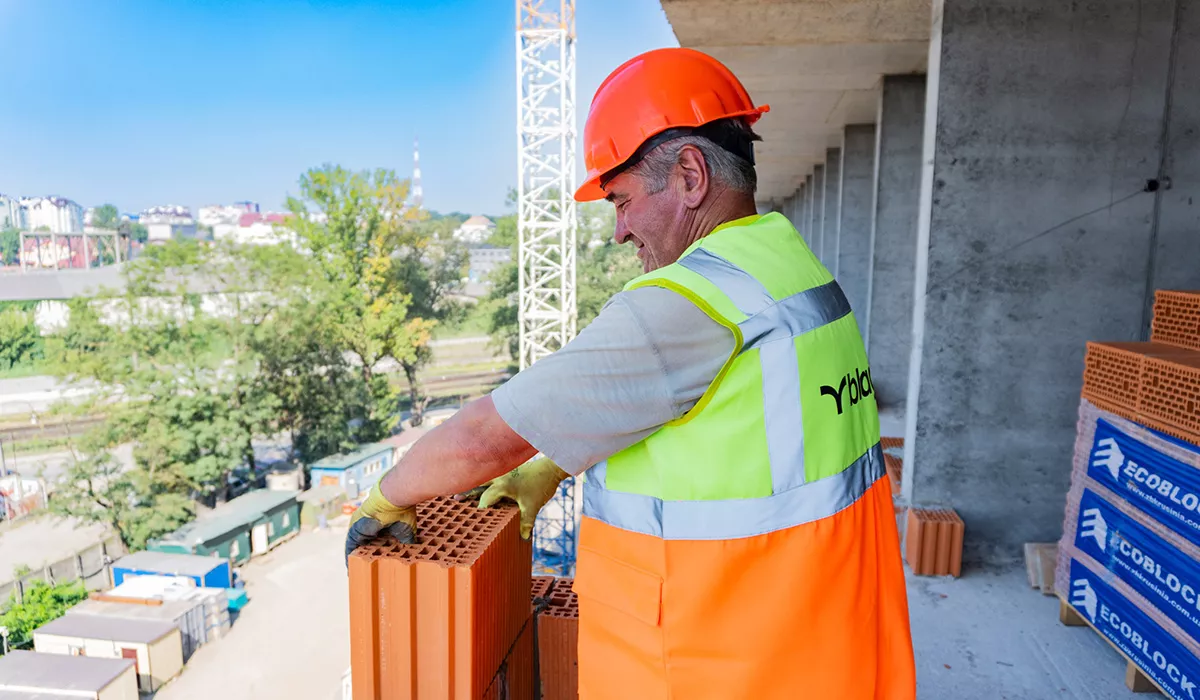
(857,383)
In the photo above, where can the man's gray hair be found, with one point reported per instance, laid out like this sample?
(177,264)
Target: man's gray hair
(724,168)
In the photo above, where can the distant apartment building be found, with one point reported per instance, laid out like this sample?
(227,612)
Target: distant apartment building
(168,222)
(476,229)
(482,261)
(53,214)
(11,213)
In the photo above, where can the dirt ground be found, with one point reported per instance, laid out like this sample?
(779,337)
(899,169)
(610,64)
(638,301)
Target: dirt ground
(292,638)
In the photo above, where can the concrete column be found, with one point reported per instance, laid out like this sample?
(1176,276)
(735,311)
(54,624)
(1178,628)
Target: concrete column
(888,324)
(808,206)
(854,216)
(801,195)
(829,214)
(1044,122)
(818,206)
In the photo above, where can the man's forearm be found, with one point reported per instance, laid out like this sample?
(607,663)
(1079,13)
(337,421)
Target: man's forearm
(473,446)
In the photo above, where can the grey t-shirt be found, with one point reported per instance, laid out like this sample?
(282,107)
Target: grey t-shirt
(646,359)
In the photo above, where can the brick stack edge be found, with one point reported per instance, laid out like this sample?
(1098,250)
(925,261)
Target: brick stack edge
(435,620)
(558,637)
(933,542)
(1148,393)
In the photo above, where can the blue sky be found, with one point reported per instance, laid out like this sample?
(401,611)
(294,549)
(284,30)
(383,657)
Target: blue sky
(165,101)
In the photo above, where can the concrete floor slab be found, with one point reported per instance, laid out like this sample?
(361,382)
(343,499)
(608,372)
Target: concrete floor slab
(989,635)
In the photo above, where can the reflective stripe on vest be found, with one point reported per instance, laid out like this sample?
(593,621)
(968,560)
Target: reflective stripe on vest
(733,519)
(768,327)
(768,321)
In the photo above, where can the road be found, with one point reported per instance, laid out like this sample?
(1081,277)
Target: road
(292,640)
(35,394)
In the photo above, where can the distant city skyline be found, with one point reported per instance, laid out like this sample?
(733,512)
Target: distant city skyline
(174,115)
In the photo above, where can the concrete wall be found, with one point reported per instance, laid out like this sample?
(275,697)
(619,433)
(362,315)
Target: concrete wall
(854,216)
(1043,125)
(1178,223)
(897,189)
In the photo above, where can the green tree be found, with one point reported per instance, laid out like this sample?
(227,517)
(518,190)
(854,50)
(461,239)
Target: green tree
(20,340)
(362,232)
(10,246)
(178,361)
(42,602)
(106,216)
(430,269)
(139,504)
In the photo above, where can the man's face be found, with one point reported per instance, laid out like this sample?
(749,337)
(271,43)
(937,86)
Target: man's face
(654,223)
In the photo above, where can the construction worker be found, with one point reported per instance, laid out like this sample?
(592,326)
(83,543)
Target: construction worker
(738,539)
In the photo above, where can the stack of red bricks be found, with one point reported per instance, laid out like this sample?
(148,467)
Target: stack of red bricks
(1155,384)
(448,617)
(558,637)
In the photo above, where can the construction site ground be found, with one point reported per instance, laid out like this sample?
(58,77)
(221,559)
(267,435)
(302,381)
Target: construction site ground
(987,635)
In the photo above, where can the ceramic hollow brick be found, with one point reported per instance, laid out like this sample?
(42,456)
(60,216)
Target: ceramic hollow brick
(1113,372)
(933,544)
(1171,390)
(1177,318)
(558,639)
(894,466)
(435,619)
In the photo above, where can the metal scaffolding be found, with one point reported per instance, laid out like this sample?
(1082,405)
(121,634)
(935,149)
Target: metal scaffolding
(546,224)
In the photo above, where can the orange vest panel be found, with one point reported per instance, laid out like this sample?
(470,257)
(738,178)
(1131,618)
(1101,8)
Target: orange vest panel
(814,611)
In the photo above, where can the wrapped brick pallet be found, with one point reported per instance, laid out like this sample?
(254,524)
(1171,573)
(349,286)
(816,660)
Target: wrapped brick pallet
(1129,559)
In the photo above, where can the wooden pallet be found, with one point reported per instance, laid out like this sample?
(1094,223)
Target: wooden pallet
(1040,560)
(1135,679)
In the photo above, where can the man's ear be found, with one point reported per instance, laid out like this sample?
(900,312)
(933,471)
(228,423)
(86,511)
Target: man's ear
(692,174)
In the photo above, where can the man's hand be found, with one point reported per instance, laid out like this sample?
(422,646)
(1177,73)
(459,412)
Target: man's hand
(530,486)
(377,515)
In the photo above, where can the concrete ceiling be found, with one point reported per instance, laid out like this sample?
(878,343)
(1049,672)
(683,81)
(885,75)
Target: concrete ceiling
(818,63)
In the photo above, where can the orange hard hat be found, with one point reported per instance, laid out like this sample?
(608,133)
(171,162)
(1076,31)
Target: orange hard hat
(651,98)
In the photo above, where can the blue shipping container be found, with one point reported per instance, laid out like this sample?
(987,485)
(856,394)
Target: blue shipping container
(208,572)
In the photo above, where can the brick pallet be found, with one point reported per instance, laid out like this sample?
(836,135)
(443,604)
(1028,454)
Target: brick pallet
(558,637)
(1130,551)
(448,617)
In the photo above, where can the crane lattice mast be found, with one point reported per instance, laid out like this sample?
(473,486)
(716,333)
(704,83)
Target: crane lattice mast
(546,223)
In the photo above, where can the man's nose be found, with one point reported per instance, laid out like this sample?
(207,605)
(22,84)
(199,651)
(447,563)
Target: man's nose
(621,233)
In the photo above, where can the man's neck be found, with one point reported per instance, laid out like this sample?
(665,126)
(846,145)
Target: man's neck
(723,207)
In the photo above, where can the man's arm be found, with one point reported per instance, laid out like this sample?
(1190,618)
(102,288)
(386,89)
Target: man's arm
(474,446)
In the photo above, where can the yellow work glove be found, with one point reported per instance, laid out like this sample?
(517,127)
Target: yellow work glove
(377,515)
(530,486)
